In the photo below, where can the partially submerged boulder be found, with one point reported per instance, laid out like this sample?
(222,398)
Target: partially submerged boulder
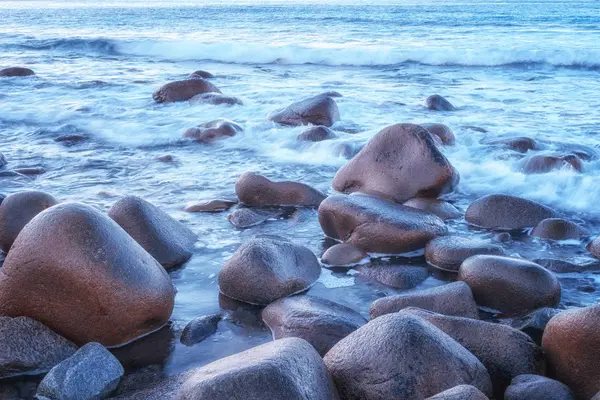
(535,387)
(201,74)
(243,218)
(401,162)
(16,71)
(541,164)
(557,229)
(594,247)
(212,131)
(257,190)
(521,144)
(441,208)
(500,211)
(216,205)
(343,254)
(448,252)
(438,103)
(316,134)
(200,328)
(318,110)
(183,90)
(443,132)
(216,99)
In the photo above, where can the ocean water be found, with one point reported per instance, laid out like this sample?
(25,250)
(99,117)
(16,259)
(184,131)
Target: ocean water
(512,68)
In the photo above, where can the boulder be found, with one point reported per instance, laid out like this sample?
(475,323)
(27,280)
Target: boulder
(216,99)
(257,190)
(453,299)
(17,210)
(91,373)
(200,328)
(28,347)
(320,322)
(535,387)
(200,74)
(441,208)
(317,134)
(529,285)
(438,103)
(560,266)
(399,356)
(532,324)
(318,110)
(460,392)
(520,144)
(557,229)
(448,252)
(396,276)
(284,369)
(500,211)
(401,162)
(166,158)
(183,90)
(243,218)
(343,254)
(70,139)
(505,352)
(213,130)
(263,270)
(167,240)
(443,132)
(376,225)
(16,71)
(76,271)
(3,161)
(30,171)
(216,205)
(541,164)
(331,93)
(572,347)
(594,247)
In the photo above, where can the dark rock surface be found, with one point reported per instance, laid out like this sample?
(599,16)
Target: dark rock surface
(498,211)
(200,328)
(257,190)
(318,110)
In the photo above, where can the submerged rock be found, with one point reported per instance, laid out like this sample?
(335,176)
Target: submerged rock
(453,299)
(318,110)
(443,132)
(263,270)
(213,130)
(91,373)
(217,205)
(438,103)
(460,392)
(30,171)
(257,190)
(343,254)
(200,328)
(491,277)
(243,218)
(535,387)
(216,99)
(557,229)
(16,71)
(183,90)
(17,210)
(441,208)
(399,356)
(499,211)
(396,276)
(169,241)
(594,247)
(532,324)
(377,225)
(520,144)
(201,74)
(28,347)
(317,134)
(401,162)
(541,164)
(98,270)
(448,252)
(320,322)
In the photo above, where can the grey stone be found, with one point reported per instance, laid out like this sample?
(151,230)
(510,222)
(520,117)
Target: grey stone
(460,392)
(535,387)
(199,329)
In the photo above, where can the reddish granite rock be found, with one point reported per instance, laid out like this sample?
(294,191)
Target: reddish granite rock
(216,205)
(318,110)
(438,103)
(183,90)
(257,190)
(499,211)
(448,252)
(213,130)
(316,134)
(540,164)
(216,99)
(443,132)
(557,229)
(441,208)
(343,254)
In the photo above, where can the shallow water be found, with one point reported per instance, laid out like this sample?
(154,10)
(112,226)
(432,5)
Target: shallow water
(514,68)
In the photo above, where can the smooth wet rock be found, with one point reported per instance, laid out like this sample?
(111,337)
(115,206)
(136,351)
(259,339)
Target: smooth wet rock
(91,373)
(401,162)
(76,271)
(520,144)
(201,74)
(257,190)
(377,225)
(183,90)
(438,103)
(318,110)
(30,171)
(499,211)
(70,139)
(453,299)
(317,134)
(212,131)
(216,99)
(441,208)
(2,197)
(505,352)
(320,322)
(594,247)
(396,276)
(200,328)
(572,346)
(243,218)
(331,93)
(400,356)
(343,254)
(563,266)
(510,285)
(3,161)
(17,210)
(263,270)
(460,392)
(443,132)
(448,252)
(557,229)
(541,164)
(16,71)
(28,347)
(169,241)
(502,237)
(216,205)
(535,387)
(532,324)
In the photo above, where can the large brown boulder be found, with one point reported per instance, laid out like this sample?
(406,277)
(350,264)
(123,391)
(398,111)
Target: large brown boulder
(17,210)
(317,110)
(263,270)
(448,252)
(183,90)
(79,273)
(557,229)
(257,190)
(510,285)
(572,346)
(377,225)
(460,392)
(535,387)
(16,71)
(167,240)
(443,132)
(399,356)
(320,322)
(451,299)
(505,352)
(441,208)
(399,163)
(541,164)
(211,131)
(500,211)
(594,247)
(438,103)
